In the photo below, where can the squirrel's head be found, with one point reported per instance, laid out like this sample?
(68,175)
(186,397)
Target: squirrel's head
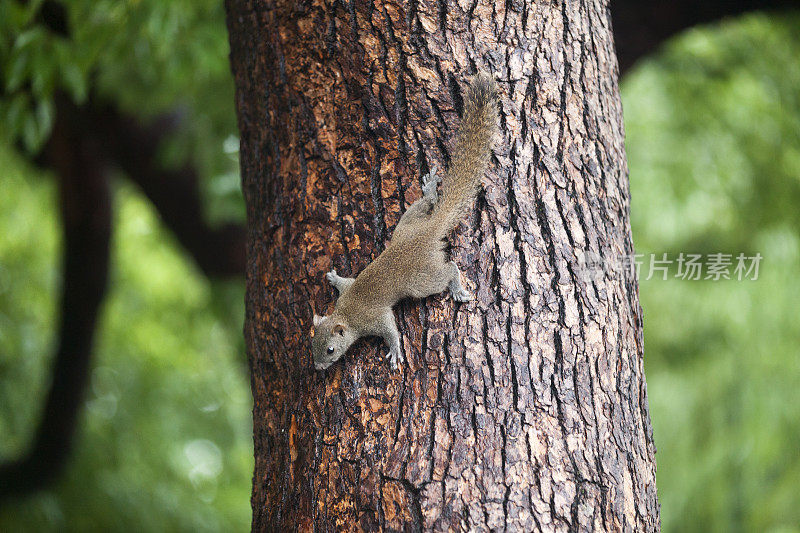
(331,339)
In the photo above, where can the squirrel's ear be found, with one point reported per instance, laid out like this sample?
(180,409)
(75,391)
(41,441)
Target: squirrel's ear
(338,329)
(317,319)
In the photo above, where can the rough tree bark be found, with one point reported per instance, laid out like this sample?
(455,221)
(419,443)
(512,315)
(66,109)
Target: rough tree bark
(525,409)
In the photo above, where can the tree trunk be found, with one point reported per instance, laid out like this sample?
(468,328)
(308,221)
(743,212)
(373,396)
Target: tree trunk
(525,409)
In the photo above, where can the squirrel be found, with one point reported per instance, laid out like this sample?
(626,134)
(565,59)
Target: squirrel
(414,264)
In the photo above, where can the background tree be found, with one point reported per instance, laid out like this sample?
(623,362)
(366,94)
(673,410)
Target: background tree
(641,27)
(92,92)
(57,108)
(526,409)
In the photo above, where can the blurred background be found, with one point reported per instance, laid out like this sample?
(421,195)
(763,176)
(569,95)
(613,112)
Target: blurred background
(163,437)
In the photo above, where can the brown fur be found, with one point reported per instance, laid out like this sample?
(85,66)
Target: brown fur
(414,265)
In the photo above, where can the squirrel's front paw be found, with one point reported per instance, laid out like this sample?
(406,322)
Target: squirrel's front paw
(462,295)
(332,275)
(394,357)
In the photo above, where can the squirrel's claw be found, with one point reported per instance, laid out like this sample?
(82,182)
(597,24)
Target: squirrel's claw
(429,183)
(432,176)
(332,275)
(462,295)
(394,357)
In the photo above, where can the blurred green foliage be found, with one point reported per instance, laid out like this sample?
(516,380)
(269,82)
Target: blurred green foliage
(165,439)
(145,56)
(713,142)
(714,154)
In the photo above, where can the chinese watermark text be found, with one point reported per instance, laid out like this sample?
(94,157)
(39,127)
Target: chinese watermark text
(685,266)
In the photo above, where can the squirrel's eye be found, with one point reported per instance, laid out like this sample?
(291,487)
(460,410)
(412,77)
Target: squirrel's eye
(330,350)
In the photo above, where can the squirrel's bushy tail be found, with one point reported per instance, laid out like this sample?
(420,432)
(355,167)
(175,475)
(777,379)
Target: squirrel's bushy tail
(470,155)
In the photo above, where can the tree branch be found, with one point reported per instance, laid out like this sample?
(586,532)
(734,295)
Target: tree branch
(640,27)
(86,218)
(219,252)
(84,141)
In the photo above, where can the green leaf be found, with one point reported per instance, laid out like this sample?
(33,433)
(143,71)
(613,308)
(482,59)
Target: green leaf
(18,71)
(31,36)
(44,117)
(30,134)
(74,81)
(16,112)
(42,75)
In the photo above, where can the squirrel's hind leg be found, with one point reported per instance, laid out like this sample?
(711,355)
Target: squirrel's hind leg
(421,209)
(430,181)
(415,212)
(457,290)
